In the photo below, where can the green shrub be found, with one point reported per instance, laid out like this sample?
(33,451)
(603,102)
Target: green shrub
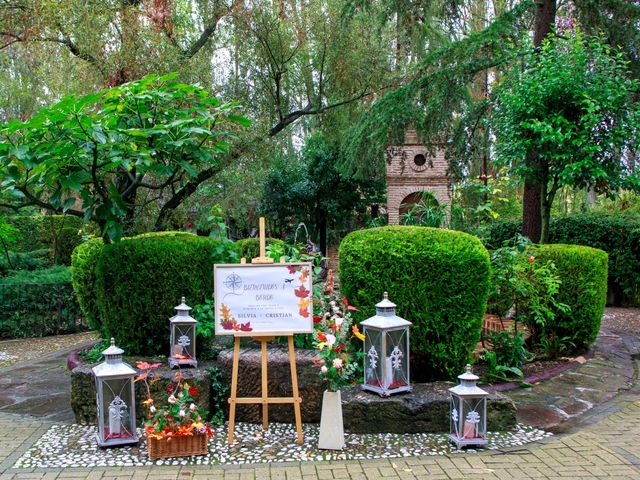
(583,273)
(38,303)
(59,233)
(250,247)
(140,280)
(438,278)
(618,235)
(84,261)
(34,260)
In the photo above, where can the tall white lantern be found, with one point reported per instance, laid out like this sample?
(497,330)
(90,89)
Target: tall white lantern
(386,351)
(468,412)
(183,338)
(115,400)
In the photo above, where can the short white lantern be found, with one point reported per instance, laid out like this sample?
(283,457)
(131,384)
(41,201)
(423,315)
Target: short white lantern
(468,412)
(386,351)
(115,400)
(183,338)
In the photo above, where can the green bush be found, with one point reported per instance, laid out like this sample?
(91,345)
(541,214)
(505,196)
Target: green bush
(34,260)
(250,247)
(438,278)
(59,233)
(38,303)
(583,272)
(618,235)
(140,280)
(84,261)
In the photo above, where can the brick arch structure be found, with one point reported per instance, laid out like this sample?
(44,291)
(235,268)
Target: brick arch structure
(410,169)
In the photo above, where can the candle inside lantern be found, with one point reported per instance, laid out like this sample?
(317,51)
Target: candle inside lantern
(388,372)
(115,422)
(469,430)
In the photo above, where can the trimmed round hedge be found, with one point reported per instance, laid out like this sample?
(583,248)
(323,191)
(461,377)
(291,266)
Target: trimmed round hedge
(583,271)
(84,261)
(438,278)
(140,280)
(250,247)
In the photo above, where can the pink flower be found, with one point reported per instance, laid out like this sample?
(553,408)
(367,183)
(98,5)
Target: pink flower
(337,362)
(324,369)
(171,399)
(331,339)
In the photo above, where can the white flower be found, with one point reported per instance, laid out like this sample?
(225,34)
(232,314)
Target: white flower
(331,339)
(336,309)
(324,369)
(332,303)
(192,407)
(339,321)
(182,413)
(171,399)
(152,409)
(337,362)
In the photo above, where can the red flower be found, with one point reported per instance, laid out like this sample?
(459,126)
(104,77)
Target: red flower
(338,348)
(193,391)
(317,319)
(170,388)
(321,336)
(346,304)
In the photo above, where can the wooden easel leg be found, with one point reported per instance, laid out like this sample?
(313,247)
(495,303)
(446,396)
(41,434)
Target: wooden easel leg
(265,387)
(294,385)
(234,389)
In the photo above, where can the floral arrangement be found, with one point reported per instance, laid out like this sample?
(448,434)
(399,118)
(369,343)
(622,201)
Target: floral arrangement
(332,336)
(181,416)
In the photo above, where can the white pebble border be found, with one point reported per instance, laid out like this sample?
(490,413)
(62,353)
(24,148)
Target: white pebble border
(4,356)
(75,446)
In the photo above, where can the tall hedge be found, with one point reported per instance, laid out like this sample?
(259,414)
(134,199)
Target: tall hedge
(439,280)
(140,280)
(250,247)
(618,235)
(84,261)
(583,271)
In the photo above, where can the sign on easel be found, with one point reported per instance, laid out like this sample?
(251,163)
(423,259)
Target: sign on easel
(263,300)
(269,299)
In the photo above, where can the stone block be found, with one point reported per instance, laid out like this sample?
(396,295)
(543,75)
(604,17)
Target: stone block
(425,409)
(279,382)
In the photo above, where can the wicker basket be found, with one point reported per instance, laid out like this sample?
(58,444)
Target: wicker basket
(178,446)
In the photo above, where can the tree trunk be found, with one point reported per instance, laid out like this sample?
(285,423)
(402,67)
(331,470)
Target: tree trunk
(533,199)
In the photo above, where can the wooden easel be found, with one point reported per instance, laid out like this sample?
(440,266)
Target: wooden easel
(265,400)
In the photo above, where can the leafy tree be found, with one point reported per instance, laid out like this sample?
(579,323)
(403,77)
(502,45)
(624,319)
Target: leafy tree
(573,105)
(9,235)
(104,156)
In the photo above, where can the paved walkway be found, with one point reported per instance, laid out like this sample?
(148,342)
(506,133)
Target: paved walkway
(603,443)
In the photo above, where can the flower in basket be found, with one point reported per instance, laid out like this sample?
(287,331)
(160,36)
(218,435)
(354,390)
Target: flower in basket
(180,416)
(333,335)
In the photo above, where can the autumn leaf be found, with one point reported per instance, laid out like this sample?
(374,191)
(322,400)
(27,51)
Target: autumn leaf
(292,269)
(302,292)
(305,275)
(304,303)
(246,327)
(304,313)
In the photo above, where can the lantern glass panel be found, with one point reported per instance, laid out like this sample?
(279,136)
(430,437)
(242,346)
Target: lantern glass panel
(474,422)
(183,341)
(396,359)
(373,364)
(116,409)
(456,413)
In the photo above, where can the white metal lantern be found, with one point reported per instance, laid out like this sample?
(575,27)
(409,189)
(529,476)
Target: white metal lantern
(386,351)
(115,398)
(468,412)
(183,338)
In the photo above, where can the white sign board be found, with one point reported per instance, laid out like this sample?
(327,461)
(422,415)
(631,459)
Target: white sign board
(263,299)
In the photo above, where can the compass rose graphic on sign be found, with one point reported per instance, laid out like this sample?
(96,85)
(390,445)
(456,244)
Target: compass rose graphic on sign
(234,283)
